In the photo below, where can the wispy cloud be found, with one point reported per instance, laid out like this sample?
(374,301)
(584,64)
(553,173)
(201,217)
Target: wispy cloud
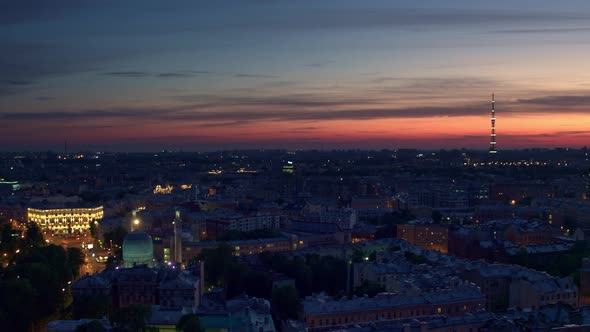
(253,76)
(541,30)
(130,74)
(175,75)
(316,65)
(171,74)
(219,111)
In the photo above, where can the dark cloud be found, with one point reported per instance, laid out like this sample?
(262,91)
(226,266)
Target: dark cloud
(17,11)
(296,101)
(573,132)
(424,19)
(192,113)
(130,74)
(199,71)
(566,100)
(222,124)
(21,82)
(175,75)
(43,98)
(175,139)
(32,62)
(205,110)
(172,74)
(299,130)
(428,84)
(316,65)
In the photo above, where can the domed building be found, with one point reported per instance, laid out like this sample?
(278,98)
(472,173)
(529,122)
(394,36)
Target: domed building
(138,249)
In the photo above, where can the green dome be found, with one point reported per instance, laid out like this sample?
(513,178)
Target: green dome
(138,248)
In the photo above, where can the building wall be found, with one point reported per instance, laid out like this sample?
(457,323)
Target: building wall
(585,280)
(247,247)
(432,237)
(363,315)
(524,295)
(65,221)
(216,227)
(179,297)
(137,288)
(527,238)
(495,288)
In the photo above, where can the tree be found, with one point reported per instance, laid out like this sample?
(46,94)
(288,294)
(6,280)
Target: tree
(217,262)
(314,273)
(415,259)
(358,255)
(111,263)
(570,223)
(436,216)
(34,237)
(116,238)
(16,304)
(93,229)
(46,270)
(76,258)
(285,301)
(257,284)
(521,257)
(90,306)
(329,273)
(117,235)
(189,323)
(132,318)
(9,242)
(92,326)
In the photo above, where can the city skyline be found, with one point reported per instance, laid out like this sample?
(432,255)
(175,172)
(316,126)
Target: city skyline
(145,76)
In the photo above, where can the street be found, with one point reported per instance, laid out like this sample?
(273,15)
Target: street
(95,257)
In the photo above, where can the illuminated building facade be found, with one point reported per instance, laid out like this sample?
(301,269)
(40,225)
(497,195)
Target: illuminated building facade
(163,190)
(289,168)
(66,220)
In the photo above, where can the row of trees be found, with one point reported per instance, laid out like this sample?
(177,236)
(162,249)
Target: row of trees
(223,270)
(34,285)
(312,273)
(234,235)
(12,243)
(134,318)
(562,265)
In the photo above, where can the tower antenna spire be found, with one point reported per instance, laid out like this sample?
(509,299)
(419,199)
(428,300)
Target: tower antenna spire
(493,134)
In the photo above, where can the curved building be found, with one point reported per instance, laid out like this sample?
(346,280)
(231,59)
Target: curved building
(65,220)
(138,249)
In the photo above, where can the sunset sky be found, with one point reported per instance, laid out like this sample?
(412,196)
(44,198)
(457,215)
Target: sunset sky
(202,75)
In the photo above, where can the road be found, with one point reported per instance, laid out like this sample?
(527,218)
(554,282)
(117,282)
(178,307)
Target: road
(95,257)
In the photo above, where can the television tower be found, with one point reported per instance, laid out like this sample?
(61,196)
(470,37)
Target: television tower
(493,134)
